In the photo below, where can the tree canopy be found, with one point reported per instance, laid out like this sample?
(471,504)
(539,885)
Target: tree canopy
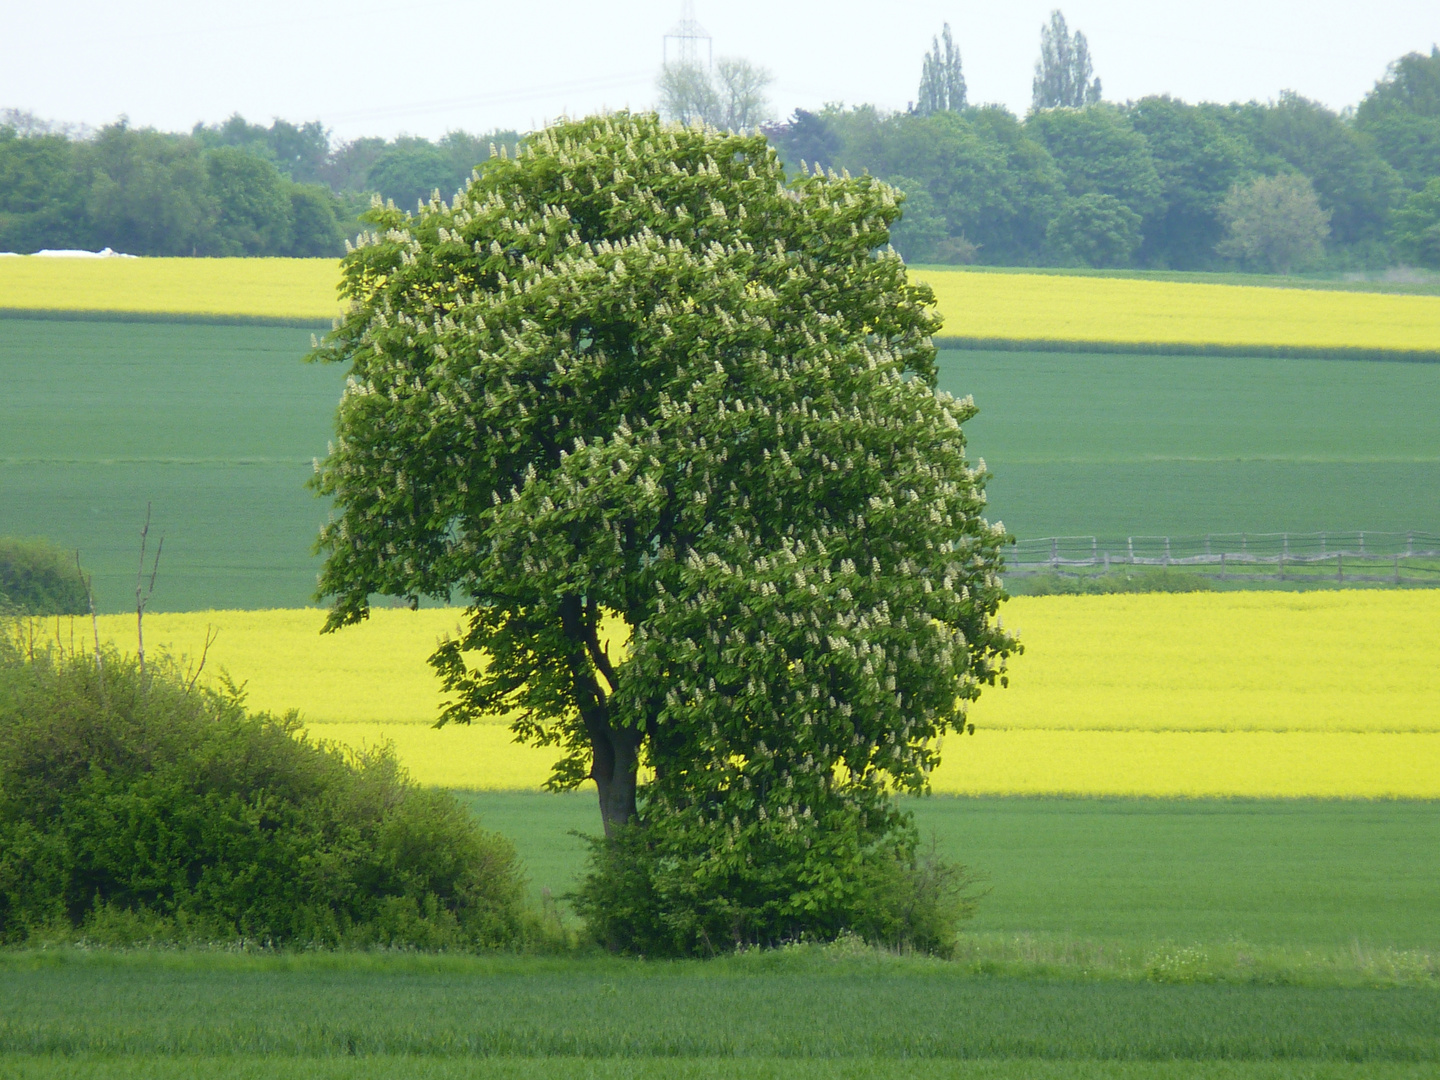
(669,424)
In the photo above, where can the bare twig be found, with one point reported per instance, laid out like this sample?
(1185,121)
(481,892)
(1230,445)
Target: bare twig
(94,620)
(210,635)
(142,596)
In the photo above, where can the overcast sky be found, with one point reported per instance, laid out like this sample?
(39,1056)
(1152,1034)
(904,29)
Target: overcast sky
(426,67)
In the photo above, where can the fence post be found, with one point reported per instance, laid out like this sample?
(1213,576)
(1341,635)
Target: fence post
(1207,546)
(1409,544)
(1107,560)
(1167,551)
(1340,567)
(1054,552)
(1130,544)
(1283,552)
(1222,566)
(1362,543)
(1397,569)
(1094,551)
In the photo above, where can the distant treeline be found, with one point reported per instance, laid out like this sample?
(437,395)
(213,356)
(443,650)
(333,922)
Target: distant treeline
(1153,183)
(231,189)
(1144,184)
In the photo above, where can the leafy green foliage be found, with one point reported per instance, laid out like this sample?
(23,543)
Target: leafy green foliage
(1197,162)
(1354,184)
(1120,581)
(1275,223)
(40,578)
(633,372)
(1402,115)
(1099,152)
(230,189)
(669,889)
(922,231)
(1415,229)
(1094,230)
(140,805)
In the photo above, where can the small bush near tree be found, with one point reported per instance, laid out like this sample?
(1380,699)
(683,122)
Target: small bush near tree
(139,806)
(38,577)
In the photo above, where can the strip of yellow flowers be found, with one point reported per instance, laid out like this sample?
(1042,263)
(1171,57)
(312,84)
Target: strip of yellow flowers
(1012,307)
(300,289)
(1055,308)
(1324,694)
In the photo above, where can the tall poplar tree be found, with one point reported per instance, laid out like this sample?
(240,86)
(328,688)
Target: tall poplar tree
(1062,73)
(942,83)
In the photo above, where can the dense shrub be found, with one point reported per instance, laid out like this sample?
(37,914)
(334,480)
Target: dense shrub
(133,803)
(657,890)
(39,578)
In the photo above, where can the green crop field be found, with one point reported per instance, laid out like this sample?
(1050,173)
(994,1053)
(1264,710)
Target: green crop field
(1274,874)
(808,1004)
(1119,939)
(1085,444)
(217,426)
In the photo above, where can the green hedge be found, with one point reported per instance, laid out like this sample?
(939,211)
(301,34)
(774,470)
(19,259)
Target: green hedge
(135,806)
(40,578)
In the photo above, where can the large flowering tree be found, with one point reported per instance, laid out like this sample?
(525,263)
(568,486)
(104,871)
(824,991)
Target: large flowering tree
(669,423)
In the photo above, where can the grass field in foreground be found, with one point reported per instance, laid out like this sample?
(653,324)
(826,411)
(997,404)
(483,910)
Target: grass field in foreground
(299,289)
(27,1067)
(808,1003)
(217,427)
(1044,307)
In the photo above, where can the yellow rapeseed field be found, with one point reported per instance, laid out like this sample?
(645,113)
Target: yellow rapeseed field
(1350,660)
(1047,307)
(1018,307)
(253,288)
(1248,693)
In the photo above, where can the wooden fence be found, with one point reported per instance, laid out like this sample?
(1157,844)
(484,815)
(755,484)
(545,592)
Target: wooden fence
(1397,558)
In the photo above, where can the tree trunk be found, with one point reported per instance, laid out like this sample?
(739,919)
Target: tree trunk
(615,760)
(614,749)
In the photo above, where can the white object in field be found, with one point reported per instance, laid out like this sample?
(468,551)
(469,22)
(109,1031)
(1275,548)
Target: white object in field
(103,253)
